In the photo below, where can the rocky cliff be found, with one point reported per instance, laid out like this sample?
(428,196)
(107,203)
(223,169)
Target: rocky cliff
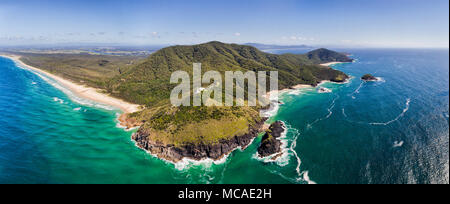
(197,151)
(270,144)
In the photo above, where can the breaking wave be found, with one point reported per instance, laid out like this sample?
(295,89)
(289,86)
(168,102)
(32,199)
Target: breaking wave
(288,145)
(56,99)
(272,111)
(66,91)
(283,160)
(398,144)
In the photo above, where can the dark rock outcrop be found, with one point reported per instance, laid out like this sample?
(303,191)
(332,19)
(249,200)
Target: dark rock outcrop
(369,77)
(196,151)
(270,143)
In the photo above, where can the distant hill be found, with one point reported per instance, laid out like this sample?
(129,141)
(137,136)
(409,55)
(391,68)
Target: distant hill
(270,47)
(148,83)
(324,55)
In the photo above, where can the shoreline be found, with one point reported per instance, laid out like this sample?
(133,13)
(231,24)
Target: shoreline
(93,94)
(293,88)
(332,63)
(82,91)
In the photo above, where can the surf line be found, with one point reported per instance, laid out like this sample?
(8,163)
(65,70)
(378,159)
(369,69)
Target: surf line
(407,104)
(357,90)
(408,101)
(291,144)
(305,174)
(343,112)
(330,112)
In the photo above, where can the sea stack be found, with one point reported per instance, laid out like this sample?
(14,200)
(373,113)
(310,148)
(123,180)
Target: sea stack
(369,77)
(270,144)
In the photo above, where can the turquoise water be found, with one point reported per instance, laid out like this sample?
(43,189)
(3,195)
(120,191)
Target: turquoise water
(393,131)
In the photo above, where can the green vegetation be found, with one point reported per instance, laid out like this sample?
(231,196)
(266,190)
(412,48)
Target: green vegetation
(93,70)
(147,82)
(324,55)
(188,125)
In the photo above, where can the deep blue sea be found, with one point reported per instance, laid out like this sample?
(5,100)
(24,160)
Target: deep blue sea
(395,130)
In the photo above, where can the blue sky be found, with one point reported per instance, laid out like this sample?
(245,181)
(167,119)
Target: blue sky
(346,23)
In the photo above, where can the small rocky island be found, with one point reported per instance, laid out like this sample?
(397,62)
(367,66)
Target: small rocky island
(369,77)
(270,144)
(324,90)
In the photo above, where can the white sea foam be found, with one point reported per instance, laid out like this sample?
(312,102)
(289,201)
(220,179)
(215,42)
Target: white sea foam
(380,79)
(118,124)
(292,148)
(347,81)
(306,178)
(398,144)
(283,160)
(187,163)
(33,83)
(330,113)
(77,109)
(398,117)
(301,175)
(56,99)
(222,175)
(324,90)
(66,91)
(272,111)
(205,163)
(296,92)
(367,173)
(288,150)
(353,95)
(359,88)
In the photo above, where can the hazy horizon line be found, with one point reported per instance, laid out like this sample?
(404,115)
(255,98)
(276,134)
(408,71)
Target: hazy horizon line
(112,44)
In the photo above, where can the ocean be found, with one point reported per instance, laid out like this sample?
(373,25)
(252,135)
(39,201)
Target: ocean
(395,130)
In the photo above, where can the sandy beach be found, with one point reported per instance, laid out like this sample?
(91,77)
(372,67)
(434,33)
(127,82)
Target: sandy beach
(82,91)
(331,63)
(271,94)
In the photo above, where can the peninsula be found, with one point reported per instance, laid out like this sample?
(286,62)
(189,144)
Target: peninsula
(141,89)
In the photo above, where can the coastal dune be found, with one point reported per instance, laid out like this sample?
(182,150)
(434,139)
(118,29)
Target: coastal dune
(82,91)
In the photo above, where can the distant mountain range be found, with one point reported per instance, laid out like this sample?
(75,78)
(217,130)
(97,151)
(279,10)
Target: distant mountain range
(270,46)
